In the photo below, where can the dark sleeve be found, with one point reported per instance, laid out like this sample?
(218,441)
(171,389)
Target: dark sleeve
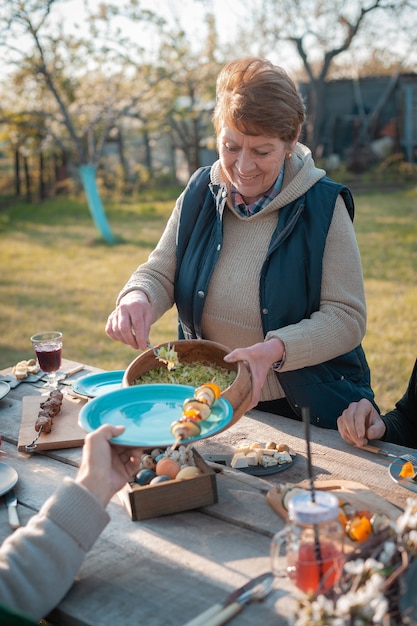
(401,422)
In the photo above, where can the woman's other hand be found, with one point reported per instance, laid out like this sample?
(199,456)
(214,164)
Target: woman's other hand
(259,359)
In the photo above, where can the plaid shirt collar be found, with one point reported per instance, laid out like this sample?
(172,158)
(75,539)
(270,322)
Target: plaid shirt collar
(246,210)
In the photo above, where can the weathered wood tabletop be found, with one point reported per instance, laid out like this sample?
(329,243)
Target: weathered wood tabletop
(165,571)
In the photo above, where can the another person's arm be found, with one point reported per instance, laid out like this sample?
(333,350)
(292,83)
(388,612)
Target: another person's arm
(401,422)
(360,422)
(39,561)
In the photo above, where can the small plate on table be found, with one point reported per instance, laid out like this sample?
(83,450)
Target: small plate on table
(254,470)
(8,478)
(394,471)
(4,388)
(147,412)
(94,385)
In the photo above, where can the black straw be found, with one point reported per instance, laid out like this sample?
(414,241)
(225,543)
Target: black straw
(305,412)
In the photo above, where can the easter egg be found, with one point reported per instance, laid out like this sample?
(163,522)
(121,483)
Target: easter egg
(148,462)
(144,476)
(188,472)
(159,479)
(167,467)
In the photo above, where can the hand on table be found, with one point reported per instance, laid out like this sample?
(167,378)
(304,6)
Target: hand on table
(360,422)
(105,467)
(131,320)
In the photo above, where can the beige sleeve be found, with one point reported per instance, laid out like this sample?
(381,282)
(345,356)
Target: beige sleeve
(340,323)
(156,276)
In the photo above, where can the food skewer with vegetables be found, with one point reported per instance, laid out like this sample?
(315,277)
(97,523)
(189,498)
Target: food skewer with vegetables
(195,410)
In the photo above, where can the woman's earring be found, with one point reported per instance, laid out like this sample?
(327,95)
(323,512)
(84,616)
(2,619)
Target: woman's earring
(289,155)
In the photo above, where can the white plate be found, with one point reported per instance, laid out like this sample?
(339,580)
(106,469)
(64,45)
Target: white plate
(4,388)
(8,478)
(394,471)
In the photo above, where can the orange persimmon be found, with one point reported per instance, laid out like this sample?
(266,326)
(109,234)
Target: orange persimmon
(407,470)
(359,528)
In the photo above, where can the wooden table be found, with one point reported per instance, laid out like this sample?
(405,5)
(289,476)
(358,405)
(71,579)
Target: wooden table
(164,571)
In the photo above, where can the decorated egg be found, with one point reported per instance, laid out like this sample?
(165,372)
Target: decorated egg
(148,462)
(167,467)
(188,472)
(159,479)
(144,476)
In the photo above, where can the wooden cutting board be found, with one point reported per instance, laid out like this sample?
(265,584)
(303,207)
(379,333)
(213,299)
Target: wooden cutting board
(358,495)
(66,433)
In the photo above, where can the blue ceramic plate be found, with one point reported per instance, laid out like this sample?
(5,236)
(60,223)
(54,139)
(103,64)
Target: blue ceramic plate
(4,388)
(8,478)
(394,472)
(147,412)
(95,385)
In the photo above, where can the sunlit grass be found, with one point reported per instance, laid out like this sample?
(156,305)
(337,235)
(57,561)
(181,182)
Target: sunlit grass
(55,273)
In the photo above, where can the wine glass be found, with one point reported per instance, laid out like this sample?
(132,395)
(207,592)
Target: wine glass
(48,349)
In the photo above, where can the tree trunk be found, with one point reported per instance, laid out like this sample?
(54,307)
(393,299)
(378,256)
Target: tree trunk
(122,157)
(27,179)
(89,182)
(17,172)
(148,153)
(42,190)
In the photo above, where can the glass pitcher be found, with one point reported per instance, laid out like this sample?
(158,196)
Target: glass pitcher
(310,549)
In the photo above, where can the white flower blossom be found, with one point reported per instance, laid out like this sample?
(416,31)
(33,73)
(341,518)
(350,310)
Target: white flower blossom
(412,537)
(354,567)
(388,552)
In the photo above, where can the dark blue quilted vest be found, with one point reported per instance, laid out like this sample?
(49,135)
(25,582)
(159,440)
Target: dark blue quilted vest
(293,266)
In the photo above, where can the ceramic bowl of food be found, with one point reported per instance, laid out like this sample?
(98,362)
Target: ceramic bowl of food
(199,361)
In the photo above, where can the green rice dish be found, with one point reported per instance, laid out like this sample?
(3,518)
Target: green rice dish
(193,374)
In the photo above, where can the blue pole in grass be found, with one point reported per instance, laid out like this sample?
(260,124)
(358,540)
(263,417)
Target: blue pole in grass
(88,178)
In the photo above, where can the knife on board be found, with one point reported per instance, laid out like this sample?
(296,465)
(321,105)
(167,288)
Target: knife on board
(11,502)
(202,619)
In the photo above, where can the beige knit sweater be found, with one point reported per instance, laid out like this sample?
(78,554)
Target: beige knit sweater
(231,315)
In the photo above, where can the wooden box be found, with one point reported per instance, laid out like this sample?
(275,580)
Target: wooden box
(172,496)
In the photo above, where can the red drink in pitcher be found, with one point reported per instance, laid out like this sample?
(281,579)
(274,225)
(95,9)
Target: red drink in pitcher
(312,575)
(309,550)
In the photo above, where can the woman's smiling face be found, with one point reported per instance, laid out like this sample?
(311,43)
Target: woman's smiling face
(251,163)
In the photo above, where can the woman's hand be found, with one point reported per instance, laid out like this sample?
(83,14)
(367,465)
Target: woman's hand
(360,422)
(105,467)
(259,359)
(131,320)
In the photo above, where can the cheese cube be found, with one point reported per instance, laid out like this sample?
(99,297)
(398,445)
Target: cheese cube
(239,460)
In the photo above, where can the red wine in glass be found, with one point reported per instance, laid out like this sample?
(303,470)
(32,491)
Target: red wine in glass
(48,349)
(49,357)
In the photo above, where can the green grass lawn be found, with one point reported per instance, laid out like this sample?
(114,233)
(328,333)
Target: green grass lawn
(56,274)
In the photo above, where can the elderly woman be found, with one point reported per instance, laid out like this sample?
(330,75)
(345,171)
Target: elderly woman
(260,254)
